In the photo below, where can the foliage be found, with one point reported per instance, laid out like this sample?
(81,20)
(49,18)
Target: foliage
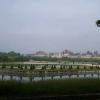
(11,57)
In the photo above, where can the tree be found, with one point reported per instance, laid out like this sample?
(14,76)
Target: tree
(98,23)
(12,67)
(32,67)
(3,66)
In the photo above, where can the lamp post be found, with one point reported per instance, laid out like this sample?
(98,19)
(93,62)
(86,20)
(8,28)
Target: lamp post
(98,23)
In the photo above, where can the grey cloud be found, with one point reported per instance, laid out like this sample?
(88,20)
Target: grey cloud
(52,25)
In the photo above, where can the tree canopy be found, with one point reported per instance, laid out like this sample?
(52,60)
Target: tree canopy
(98,23)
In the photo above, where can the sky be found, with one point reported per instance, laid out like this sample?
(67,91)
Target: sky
(27,26)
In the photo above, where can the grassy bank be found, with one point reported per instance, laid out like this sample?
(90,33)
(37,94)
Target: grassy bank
(52,87)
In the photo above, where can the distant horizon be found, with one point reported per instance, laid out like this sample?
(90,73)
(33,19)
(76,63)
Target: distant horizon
(92,50)
(52,51)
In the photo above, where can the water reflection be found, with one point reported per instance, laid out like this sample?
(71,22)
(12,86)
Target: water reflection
(38,78)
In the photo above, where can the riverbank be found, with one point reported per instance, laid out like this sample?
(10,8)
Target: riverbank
(50,87)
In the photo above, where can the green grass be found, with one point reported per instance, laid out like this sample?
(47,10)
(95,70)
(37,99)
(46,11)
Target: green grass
(51,87)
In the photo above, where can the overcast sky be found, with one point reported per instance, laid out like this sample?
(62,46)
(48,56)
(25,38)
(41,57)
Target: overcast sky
(49,25)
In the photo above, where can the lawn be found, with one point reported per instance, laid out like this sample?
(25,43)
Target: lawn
(50,87)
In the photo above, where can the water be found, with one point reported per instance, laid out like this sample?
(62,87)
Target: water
(39,78)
